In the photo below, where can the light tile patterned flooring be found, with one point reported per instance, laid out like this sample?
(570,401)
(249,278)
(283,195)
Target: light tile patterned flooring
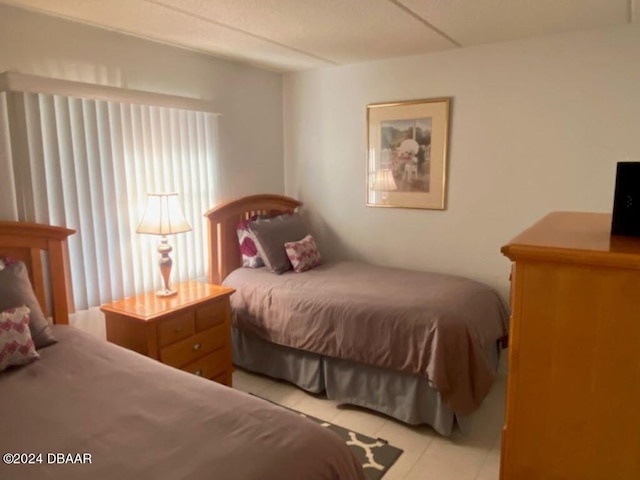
(427,455)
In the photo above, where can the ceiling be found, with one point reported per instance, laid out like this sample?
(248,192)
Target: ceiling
(287,35)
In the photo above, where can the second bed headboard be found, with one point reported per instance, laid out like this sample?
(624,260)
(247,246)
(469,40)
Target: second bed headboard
(224,250)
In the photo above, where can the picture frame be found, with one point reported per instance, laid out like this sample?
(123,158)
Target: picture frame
(407,145)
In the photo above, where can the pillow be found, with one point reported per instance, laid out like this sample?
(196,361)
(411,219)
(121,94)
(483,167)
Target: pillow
(303,255)
(15,291)
(272,233)
(250,256)
(16,344)
(6,262)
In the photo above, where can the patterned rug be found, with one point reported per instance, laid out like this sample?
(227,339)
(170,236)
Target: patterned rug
(375,454)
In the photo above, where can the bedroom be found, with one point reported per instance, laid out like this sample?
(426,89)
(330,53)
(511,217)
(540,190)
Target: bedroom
(537,125)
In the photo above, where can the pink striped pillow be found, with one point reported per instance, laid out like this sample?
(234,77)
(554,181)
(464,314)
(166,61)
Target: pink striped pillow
(16,344)
(303,255)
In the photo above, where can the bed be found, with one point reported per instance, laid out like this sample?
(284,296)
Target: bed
(433,362)
(90,409)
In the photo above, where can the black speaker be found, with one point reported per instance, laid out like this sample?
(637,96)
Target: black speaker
(626,203)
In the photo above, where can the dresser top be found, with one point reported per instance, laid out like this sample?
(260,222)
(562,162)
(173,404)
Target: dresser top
(575,237)
(148,306)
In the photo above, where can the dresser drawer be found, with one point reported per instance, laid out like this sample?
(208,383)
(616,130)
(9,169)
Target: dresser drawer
(210,366)
(176,327)
(212,314)
(189,350)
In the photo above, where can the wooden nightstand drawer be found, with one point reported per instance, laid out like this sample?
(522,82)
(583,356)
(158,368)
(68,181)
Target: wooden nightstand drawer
(189,330)
(211,315)
(186,351)
(177,327)
(211,366)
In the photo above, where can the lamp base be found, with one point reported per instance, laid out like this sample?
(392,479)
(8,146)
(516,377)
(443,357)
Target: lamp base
(166,292)
(165,268)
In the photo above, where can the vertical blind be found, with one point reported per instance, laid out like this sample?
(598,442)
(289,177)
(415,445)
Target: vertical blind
(88,164)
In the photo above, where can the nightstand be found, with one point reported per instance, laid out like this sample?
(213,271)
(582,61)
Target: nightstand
(190,330)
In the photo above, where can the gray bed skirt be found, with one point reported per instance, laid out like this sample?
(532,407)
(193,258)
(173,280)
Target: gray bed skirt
(408,398)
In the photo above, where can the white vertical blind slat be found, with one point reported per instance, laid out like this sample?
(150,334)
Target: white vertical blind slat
(163,148)
(86,230)
(212,189)
(135,181)
(37,206)
(144,177)
(202,177)
(19,150)
(110,228)
(171,165)
(180,168)
(190,197)
(98,197)
(125,281)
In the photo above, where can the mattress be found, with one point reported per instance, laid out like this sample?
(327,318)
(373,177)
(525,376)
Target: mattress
(435,326)
(136,418)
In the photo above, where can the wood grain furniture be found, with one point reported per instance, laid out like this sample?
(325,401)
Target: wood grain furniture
(133,416)
(335,358)
(222,224)
(189,331)
(30,242)
(573,393)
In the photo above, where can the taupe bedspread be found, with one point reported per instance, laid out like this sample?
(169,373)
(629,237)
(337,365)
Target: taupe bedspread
(433,325)
(142,420)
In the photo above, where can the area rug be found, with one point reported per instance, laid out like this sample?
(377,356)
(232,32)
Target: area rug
(375,454)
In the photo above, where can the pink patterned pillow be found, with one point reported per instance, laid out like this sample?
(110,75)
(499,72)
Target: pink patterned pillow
(303,255)
(7,262)
(250,256)
(16,345)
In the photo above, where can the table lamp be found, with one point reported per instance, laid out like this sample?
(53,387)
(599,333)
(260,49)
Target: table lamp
(384,183)
(163,216)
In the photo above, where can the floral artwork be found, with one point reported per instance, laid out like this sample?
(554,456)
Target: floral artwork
(406,150)
(406,162)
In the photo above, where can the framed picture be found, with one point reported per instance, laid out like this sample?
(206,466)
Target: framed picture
(407,153)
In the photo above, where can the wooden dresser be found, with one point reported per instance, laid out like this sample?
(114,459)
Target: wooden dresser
(573,392)
(190,330)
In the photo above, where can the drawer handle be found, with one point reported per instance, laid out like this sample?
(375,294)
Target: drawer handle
(178,329)
(198,373)
(197,346)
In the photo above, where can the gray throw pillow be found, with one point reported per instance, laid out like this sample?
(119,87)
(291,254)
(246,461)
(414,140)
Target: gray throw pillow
(272,233)
(16,291)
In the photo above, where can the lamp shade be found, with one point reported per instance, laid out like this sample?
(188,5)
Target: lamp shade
(163,215)
(384,181)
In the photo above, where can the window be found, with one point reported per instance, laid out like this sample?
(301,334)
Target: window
(88,163)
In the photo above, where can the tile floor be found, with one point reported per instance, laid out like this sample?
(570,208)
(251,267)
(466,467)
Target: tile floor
(427,455)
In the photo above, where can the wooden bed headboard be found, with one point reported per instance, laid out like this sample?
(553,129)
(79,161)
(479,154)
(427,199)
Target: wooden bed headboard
(224,250)
(26,242)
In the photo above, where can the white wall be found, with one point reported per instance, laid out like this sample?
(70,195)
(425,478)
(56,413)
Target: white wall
(249,99)
(537,126)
